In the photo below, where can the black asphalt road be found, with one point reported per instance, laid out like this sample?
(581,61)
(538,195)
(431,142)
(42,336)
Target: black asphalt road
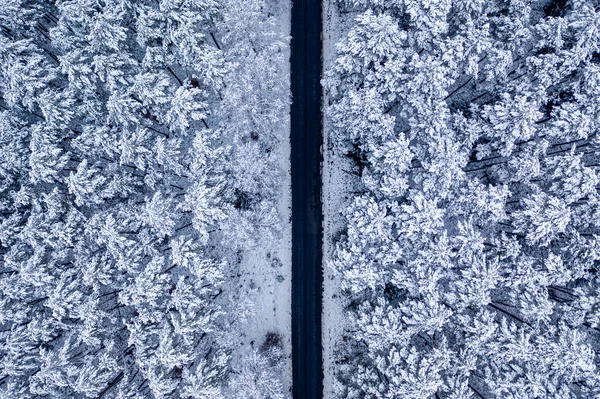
(306,139)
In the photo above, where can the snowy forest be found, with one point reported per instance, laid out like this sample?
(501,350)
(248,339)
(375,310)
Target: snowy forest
(138,162)
(145,211)
(470,255)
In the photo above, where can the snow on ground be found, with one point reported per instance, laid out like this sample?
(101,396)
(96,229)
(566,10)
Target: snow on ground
(266,271)
(338,185)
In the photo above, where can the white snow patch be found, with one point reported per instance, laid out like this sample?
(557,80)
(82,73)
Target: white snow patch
(338,187)
(266,270)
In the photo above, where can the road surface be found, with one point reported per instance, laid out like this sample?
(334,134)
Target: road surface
(306,140)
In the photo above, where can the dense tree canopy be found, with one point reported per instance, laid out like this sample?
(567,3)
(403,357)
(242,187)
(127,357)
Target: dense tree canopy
(136,157)
(470,261)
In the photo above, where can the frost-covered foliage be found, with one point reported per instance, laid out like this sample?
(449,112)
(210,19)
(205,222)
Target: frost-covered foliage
(471,261)
(136,159)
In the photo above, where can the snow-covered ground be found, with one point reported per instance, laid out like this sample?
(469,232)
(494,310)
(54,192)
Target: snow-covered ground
(266,271)
(338,186)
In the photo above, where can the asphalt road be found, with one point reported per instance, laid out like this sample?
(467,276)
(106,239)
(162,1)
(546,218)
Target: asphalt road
(306,140)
